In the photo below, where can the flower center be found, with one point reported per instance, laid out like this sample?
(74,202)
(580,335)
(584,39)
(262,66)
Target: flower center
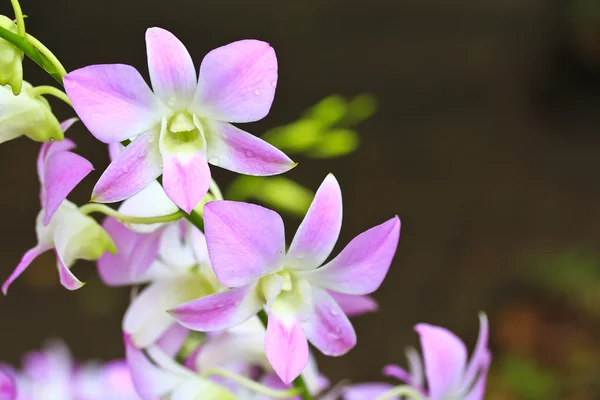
(181,128)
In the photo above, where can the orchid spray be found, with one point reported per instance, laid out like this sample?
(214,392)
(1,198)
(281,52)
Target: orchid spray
(223,306)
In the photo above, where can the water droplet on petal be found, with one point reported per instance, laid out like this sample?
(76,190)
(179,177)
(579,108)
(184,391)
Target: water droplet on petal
(52,139)
(274,83)
(257,92)
(334,311)
(150,138)
(249,153)
(171,102)
(214,161)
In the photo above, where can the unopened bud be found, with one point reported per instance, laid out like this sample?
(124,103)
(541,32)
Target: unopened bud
(11,59)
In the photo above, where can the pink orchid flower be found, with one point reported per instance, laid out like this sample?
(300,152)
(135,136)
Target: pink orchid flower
(8,388)
(60,225)
(246,245)
(185,123)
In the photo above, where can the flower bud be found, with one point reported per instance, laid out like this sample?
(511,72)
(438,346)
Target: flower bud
(27,114)
(11,67)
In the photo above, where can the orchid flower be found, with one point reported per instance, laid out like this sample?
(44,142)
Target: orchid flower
(60,225)
(8,386)
(246,245)
(28,115)
(185,124)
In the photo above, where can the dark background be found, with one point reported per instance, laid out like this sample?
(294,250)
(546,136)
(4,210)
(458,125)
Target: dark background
(485,144)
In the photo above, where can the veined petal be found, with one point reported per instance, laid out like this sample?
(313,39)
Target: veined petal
(66,277)
(186,176)
(353,305)
(445,357)
(150,381)
(172,71)
(320,228)
(152,201)
(135,254)
(147,319)
(113,101)
(28,257)
(219,311)
(63,171)
(237,82)
(136,166)
(239,151)
(362,265)
(245,241)
(286,347)
(329,329)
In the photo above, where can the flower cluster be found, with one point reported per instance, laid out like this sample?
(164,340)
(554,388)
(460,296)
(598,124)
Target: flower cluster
(223,307)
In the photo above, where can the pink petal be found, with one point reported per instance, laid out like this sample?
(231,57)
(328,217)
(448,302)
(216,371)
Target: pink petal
(329,329)
(135,254)
(362,265)
(138,164)
(320,228)
(113,101)
(8,386)
(28,257)
(354,305)
(49,148)
(286,347)
(63,171)
(172,71)
(480,360)
(478,390)
(445,357)
(366,391)
(238,151)
(149,380)
(245,241)
(66,277)
(397,372)
(173,339)
(237,82)
(114,149)
(185,179)
(219,311)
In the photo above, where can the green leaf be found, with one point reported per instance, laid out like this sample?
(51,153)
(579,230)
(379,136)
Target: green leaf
(296,137)
(335,143)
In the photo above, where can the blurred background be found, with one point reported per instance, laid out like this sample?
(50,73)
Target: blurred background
(477,122)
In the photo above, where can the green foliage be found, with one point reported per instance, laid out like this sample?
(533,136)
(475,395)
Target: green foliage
(525,379)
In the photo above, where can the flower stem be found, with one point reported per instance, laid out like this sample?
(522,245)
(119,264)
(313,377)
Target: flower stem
(404,391)
(19,17)
(51,90)
(215,190)
(299,382)
(49,55)
(104,209)
(250,384)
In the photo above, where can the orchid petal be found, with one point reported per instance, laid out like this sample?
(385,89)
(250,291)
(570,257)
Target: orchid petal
(8,386)
(136,166)
(237,82)
(445,357)
(63,171)
(152,201)
(286,347)
(113,101)
(66,277)
(114,149)
(172,71)
(135,254)
(245,241)
(174,250)
(366,391)
(361,267)
(28,257)
(480,358)
(239,151)
(147,318)
(353,305)
(219,311)
(329,329)
(477,392)
(320,228)
(149,380)
(173,339)
(197,242)
(49,148)
(199,389)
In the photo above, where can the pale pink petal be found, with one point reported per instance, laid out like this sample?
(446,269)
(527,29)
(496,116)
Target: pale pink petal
(329,329)
(481,355)
(152,201)
(138,165)
(245,241)
(219,311)
(367,391)
(239,151)
(445,357)
(28,257)
(149,380)
(114,149)
(397,372)
(237,82)
(8,386)
(320,228)
(354,305)
(135,254)
(172,71)
(362,265)
(185,179)
(113,101)
(66,277)
(63,171)
(172,340)
(197,242)
(478,390)
(286,347)
(49,148)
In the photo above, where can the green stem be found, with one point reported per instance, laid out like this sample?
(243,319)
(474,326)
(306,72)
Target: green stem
(19,17)
(404,391)
(215,190)
(104,209)
(250,384)
(49,55)
(299,382)
(51,90)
